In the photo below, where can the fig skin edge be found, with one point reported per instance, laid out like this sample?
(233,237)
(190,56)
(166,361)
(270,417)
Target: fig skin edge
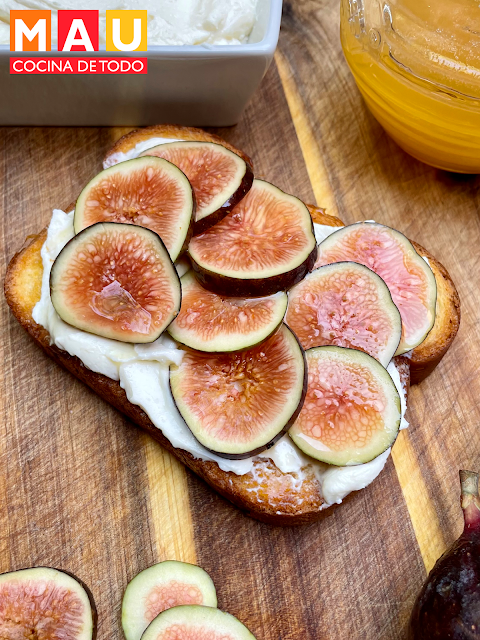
(448,606)
(200,226)
(253,287)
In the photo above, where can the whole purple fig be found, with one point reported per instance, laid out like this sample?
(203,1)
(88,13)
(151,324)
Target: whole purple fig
(448,607)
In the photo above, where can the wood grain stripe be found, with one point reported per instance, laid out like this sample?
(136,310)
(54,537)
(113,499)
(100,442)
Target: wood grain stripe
(316,169)
(422,513)
(169,504)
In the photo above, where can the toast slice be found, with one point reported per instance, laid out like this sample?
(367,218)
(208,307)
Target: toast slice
(265,493)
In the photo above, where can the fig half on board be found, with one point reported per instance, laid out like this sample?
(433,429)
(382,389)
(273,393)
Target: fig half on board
(213,323)
(393,257)
(193,622)
(239,404)
(148,192)
(45,604)
(266,244)
(351,412)
(448,606)
(160,587)
(116,281)
(346,305)
(219,177)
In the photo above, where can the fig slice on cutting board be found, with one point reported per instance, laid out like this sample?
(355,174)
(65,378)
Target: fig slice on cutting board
(219,177)
(42,603)
(239,404)
(351,412)
(393,257)
(148,192)
(347,305)
(209,322)
(161,587)
(116,281)
(266,244)
(193,622)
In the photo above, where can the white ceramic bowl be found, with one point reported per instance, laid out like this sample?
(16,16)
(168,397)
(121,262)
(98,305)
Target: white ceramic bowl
(192,85)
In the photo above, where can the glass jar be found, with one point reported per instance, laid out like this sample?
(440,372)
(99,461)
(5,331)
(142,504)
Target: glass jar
(417,65)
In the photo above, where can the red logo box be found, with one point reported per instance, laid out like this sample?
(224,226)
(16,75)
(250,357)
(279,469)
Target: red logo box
(77,30)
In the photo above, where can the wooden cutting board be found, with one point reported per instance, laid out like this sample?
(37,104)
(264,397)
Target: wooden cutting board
(82,489)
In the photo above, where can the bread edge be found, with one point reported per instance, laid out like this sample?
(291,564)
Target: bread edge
(176,132)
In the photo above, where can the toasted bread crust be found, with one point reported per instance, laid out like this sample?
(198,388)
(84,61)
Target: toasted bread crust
(428,354)
(176,132)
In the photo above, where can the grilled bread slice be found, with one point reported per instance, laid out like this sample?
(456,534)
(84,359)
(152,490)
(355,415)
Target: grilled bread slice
(266,493)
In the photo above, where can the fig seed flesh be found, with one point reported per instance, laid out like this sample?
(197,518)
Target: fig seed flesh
(45,604)
(351,412)
(266,244)
(213,323)
(393,257)
(219,177)
(160,587)
(239,404)
(347,305)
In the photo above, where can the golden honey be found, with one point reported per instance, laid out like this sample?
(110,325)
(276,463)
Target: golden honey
(417,65)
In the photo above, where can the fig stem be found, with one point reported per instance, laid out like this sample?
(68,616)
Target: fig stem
(470,498)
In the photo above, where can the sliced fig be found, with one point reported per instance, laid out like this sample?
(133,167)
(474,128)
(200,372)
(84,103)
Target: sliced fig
(239,404)
(347,305)
(208,322)
(148,192)
(193,622)
(392,256)
(351,412)
(45,604)
(219,177)
(161,587)
(266,244)
(116,281)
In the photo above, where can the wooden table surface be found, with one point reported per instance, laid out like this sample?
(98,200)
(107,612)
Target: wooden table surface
(82,489)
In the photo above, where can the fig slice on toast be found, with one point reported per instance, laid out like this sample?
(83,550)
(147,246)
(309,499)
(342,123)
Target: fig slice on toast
(239,404)
(209,322)
(160,587)
(45,604)
(193,622)
(266,244)
(347,305)
(117,281)
(219,177)
(149,192)
(351,412)
(393,257)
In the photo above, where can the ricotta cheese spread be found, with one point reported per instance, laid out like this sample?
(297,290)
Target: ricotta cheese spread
(135,151)
(143,372)
(170,22)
